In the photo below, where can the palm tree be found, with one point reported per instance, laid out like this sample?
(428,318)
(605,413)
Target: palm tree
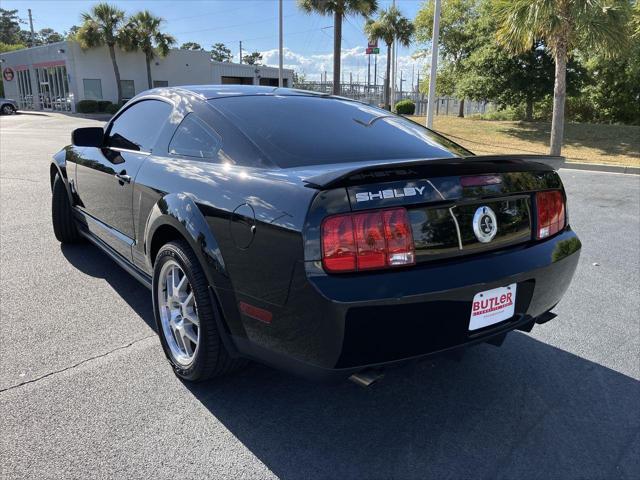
(103,26)
(142,32)
(391,25)
(562,25)
(339,9)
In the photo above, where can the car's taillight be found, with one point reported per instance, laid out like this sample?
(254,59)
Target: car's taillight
(364,241)
(551,213)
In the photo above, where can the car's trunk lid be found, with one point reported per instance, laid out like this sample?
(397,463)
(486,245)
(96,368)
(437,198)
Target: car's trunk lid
(445,198)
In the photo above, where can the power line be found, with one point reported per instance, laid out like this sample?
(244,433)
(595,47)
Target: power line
(273,35)
(226,27)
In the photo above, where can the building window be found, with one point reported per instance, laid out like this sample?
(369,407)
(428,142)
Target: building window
(92,88)
(128,89)
(160,83)
(272,82)
(236,80)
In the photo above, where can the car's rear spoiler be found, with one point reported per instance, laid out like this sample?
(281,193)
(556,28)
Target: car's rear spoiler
(472,164)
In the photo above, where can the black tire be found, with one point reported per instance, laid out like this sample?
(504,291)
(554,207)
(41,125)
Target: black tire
(211,357)
(8,109)
(64,227)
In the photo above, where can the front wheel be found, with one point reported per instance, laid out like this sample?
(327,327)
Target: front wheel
(186,317)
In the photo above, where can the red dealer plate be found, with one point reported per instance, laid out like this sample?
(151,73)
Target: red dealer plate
(492,306)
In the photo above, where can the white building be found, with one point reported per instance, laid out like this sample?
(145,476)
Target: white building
(56,76)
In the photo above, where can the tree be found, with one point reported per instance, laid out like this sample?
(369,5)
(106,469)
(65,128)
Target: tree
(613,90)
(458,33)
(562,25)
(47,36)
(253,58)
(72,32)
(10,32)
(339,9)
(142,32)
(221,53)
(191,46)
(491,73)
(102,25)
(389,26)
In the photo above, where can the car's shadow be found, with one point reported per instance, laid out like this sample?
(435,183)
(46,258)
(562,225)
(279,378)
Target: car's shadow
(91,261)
(525,410)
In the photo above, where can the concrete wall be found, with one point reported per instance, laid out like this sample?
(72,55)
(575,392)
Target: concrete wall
(180,67)
(30,58)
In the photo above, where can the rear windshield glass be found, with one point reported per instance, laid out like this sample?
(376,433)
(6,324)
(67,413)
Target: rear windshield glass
(305,130)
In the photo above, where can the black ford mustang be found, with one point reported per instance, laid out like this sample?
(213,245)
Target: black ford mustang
(313,233)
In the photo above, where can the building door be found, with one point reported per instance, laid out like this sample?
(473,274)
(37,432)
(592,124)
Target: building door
(53,87)
(45,96)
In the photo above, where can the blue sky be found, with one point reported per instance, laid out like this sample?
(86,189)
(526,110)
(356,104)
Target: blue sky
(308,38)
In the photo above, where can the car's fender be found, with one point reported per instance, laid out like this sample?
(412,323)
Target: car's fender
(179,211)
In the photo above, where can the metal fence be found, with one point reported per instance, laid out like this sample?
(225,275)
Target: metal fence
(374,95)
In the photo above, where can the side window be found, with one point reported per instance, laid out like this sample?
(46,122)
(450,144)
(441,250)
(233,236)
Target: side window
(194,138)
(138,126)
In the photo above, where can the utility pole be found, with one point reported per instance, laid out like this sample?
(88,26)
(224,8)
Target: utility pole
(375,71)
(434,64)
(280,80)
(392,80)
(33,33)
(413,75)
(368,72)
(240,51)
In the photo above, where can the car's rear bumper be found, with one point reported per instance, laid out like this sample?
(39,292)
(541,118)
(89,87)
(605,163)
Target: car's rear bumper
(337,325)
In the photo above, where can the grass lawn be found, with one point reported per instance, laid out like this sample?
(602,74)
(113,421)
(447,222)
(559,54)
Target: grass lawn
(584,143)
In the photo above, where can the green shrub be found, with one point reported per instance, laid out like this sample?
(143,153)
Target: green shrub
(103,104)
(580,109)
(87,106)
(405,107)
(504,114)
(112,108)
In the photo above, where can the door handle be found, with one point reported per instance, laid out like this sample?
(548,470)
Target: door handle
(123,177)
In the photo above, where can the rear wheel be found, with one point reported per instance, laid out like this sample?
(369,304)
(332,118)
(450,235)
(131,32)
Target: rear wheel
(8,109)
(186,316)
(64,227)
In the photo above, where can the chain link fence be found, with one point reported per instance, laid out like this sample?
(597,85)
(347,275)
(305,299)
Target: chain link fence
(374,95)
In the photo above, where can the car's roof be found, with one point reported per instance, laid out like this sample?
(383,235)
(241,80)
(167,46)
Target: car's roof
(223,91)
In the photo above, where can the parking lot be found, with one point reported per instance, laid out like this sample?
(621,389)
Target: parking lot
(85,391)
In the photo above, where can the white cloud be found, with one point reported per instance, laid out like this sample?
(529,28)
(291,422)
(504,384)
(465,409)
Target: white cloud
(354,62)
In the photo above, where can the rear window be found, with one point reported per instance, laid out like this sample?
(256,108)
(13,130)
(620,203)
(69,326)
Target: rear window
(305,130)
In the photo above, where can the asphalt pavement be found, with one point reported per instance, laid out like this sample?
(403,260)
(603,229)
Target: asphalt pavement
(85,391)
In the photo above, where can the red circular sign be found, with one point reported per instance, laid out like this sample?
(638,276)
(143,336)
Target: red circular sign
(8,74)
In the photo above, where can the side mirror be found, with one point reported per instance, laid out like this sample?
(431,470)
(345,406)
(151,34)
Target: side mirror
(88,137)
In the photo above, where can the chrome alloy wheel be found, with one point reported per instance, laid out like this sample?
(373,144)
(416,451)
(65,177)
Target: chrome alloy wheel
(178,313)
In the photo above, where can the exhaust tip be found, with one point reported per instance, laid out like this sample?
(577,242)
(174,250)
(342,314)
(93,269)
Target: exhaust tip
(366,378)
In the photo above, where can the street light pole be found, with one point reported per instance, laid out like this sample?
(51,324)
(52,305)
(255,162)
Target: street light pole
(280,80)
(434,64)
